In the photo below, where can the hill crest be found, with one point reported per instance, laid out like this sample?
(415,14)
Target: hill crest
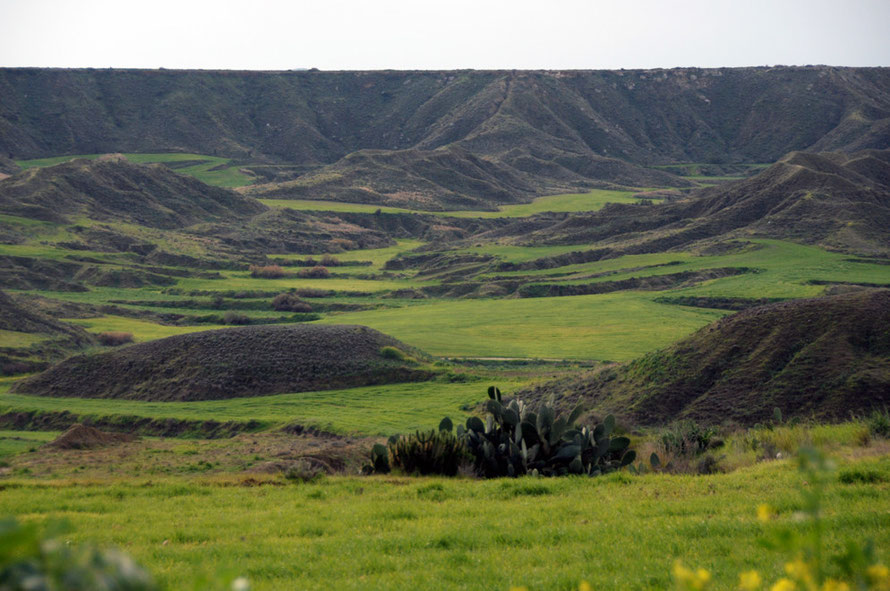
(818,358)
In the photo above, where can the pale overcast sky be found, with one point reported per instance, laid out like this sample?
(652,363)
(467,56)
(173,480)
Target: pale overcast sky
(421,34)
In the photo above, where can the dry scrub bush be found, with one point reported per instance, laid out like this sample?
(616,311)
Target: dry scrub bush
(266,271)
(290,302)
(115,338)
(317,272)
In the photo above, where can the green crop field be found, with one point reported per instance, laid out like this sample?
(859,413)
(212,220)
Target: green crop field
(615,532)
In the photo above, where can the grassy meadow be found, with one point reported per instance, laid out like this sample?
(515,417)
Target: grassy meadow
(383,532)
(614,327)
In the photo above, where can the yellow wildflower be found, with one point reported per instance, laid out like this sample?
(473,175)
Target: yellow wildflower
(764,512)
(750,580)
(585,586)
(799,571)
(703,577)
(879,575)
(784,585)
(687,579)
(835,585)
(518,588)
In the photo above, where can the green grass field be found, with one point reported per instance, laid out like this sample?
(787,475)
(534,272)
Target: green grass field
(212,170)
(615,327)
(616,532)
(568,202)
(372,410)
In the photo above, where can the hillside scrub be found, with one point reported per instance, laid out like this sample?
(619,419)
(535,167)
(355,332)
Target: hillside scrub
(114,338)
(234,362)
(266,271)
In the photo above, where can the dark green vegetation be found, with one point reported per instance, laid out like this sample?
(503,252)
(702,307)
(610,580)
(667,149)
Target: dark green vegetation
(235,362)
(819,358)
(513,441)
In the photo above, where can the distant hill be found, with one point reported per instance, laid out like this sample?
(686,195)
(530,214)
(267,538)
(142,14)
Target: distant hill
(641,116)
(117,190)
(235,362)
(824,358)
(834,200)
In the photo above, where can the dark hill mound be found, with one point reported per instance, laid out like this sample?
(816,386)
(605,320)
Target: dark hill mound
(117,190)
(835,200)
(824,358)
(230,363)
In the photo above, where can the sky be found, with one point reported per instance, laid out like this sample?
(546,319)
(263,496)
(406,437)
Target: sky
(429,34)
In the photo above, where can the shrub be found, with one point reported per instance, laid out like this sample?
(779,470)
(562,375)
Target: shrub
(115,338)
(879,423)
(266,271)
(392,353)
(304,471)
(428,452)
(317,272)
(290,302)
(688,439)
(330,261)
(232,317)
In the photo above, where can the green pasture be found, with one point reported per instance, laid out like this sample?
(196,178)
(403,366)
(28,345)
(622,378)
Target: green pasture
(212,170)
(371,410)
(568,202)
(616,326)
(383,532)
